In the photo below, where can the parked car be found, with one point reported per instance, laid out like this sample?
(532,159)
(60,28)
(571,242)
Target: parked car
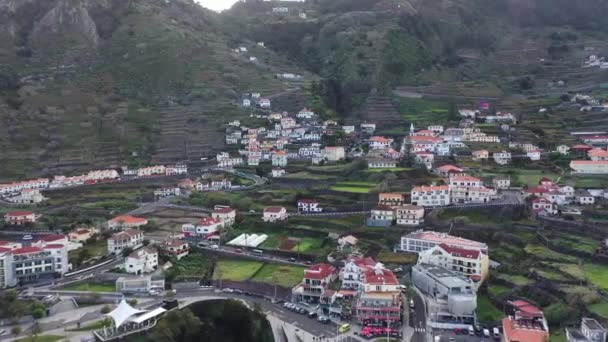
(344,328)
(238,250)
(486,332)
(215,247)
(312,314)
(292,259)
(323,319)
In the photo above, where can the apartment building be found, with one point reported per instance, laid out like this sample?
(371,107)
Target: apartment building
(599,167)
(431,196)
(589,331)
(316,280)
(380,299)
(352,273)
(141,261)
(306,205)
(178,248)
(525,323)
(391,199)
(19,218)
(225,214)
(128,238)
(451,295)
(502,158)
(409,215)
(421,240)
(274,214)
(469,263)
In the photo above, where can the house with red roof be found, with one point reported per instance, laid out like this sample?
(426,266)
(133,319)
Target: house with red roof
(225,214)
(391,199)
(178,248)
(204,228)
(525,323)
(315,282)
(122,222)
(599,167)
(598,154)
(279,158)
(544,205)
(471,263)
(274,214)
(421,240)
(128,238)
(430,196)
(447,170)
(141,261)
(351,274)
(380,299)
(82,234)
(19,218)
(378,142)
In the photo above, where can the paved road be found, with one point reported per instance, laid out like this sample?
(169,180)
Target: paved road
(243,252)
(418,320)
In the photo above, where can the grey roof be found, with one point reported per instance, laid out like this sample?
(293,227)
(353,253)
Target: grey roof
(592,324)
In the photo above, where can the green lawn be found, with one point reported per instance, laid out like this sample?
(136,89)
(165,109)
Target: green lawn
(578,243)
(486,311)
(518,280)
(354,187)
(236,270)
(396,258)
(281,275)
(91,287)
(600,308)
(91,326)
(43,338)
(498,290)
(557,336)
(573,270)
(531,177)
(597,274)
(545,253)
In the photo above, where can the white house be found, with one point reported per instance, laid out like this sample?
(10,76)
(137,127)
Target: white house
(501,182)
(306,205)
(128,238)
(381,163)
(279,158)
(18,218)
(584,198)
(534,155)
(377,142)
(305,113)
(274,214)
(264,103)
(141,261)
(469,263)
(179,248)
(206,227)
(502,158)
(225,214)
(589,166)
(277,172)
(431,196)
(541,205)
(563,149)
(334,153)
(409,215)
(246,102)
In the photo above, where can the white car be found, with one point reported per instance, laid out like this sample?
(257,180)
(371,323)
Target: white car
(215,247)
(2,332)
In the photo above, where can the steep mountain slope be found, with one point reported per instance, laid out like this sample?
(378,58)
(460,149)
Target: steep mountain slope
(101,83)
(360,45)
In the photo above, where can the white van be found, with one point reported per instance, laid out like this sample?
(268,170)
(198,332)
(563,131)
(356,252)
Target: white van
(486,332)
(496,333)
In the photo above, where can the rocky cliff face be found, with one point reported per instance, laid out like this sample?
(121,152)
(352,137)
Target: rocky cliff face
(68,22)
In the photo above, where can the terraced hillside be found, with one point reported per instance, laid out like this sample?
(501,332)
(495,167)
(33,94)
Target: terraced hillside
(149,81)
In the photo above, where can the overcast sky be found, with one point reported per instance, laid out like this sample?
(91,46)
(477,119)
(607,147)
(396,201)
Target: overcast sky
(217,5)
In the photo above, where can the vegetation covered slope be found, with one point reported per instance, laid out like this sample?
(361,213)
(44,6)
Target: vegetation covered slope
(88,83)
(362,45)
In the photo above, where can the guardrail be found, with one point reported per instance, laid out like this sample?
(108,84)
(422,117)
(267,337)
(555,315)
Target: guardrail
(73,273)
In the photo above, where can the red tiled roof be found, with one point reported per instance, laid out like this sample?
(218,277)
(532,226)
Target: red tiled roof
(536,190)
(208,221)
(379,139)
(526,307)
(273,209)
(460,252)
(448,168)
(465,179)
(54,246)
(597,152)
(515,334)
(82,231)
(19,213)
(51,238)
(319,271)
(430,188)
(4,250)
(26,250)
(280,153)
(581,147)
(223,210)
(588,162)
(383,277)
(365,262)
(382,207)
(307,200)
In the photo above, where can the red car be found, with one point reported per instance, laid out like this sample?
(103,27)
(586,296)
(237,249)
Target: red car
(308,262)
(457,331)
(238,250)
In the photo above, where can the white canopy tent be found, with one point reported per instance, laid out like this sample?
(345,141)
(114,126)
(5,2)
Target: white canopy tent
(123,313)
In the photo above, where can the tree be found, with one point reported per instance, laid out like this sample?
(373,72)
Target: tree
(105,310)
(36,329)
(38,313)
(16,330)
(125,252)
(132,302)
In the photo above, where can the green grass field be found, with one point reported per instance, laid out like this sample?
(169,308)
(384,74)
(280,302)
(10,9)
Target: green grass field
(597,274)
(354,187)
(394,169)
(281,275)
(43,338)
(92,326)
(531,177)
(498,290)
(486,311)
(517,280)
(91,287)
(236,270)
(545,253)
(600,308)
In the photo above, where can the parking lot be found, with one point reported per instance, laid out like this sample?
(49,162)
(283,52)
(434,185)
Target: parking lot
(450,336)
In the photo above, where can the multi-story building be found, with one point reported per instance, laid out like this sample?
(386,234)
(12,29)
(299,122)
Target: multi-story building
(472,194)
(590,331)
(480,155)
(420,240)
(126,221)
(177,169)
(352,273)
(377,142)
(141,261)
(225,214)
(381,216)
(452,297)
(380,298)
(128,238)
(179,248)
(334,153)
(279,158)
(206,227)
(167,192)
(469,263)
(583,197)
(391,199)
(17,187)
(465,181)
(19,218)
(525,323)
(42,261)
(409,215)
(316,280)
(27,196)
(544,205)
(599,167)
(431,196)
(306,205)
(501,182)
(448,171)
(7,278)
(274,214)
(502,158)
